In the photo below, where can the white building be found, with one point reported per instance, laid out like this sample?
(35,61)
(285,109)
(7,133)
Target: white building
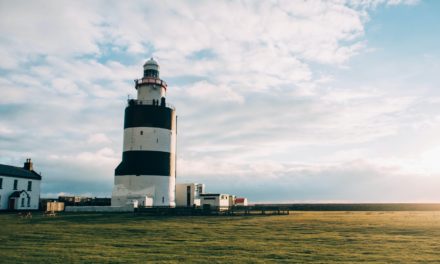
(232,200)
(19,187)
(147,173)
(188,194)
(215,201)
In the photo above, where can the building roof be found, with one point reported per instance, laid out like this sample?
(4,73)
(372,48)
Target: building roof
(17,194)
(18,172)
(151,61)
(151,64)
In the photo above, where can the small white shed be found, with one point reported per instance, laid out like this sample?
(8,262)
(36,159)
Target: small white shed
(216,201)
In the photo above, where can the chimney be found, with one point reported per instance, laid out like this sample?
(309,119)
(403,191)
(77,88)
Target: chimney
(28,165)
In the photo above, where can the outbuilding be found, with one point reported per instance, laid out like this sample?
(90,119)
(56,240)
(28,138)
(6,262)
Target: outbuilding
(188,194)
(240,201)
(216,201)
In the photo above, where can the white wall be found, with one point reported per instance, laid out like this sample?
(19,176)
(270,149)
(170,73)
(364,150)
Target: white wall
(232,200)
(181,193)
(131,187)
(152,138)
(7,190)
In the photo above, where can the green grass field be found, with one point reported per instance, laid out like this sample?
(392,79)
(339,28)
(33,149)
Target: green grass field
(319,237)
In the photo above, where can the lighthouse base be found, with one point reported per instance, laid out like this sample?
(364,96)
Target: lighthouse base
(130,189)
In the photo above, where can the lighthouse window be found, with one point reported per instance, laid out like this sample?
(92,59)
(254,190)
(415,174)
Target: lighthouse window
(142,132)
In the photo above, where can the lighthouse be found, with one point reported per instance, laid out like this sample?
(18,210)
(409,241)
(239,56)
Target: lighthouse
(147,175)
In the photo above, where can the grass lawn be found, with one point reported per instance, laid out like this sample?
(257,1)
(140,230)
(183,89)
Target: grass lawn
(320,237)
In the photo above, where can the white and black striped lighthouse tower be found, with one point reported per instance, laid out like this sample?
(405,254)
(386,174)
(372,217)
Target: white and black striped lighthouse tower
(147,174)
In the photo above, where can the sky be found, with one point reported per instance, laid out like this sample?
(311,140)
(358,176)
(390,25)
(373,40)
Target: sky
(278,101)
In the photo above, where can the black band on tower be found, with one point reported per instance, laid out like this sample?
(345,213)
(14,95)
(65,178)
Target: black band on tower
(144,163)
(148,116)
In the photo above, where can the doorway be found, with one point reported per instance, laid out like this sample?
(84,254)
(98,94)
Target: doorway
(11,204)
(188,196)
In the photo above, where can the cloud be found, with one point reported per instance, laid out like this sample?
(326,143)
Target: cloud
(99,138)
(257,86)
(206,92)
(49,28)
(355,181)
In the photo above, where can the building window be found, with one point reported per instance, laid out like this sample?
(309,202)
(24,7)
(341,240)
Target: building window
(22,202)
(142,132)
(29,186)
(29,202)
(163,199)
(1,183)
(15,184)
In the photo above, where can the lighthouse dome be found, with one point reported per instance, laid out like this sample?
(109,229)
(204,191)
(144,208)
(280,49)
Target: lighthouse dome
(151,68)
(151,64)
